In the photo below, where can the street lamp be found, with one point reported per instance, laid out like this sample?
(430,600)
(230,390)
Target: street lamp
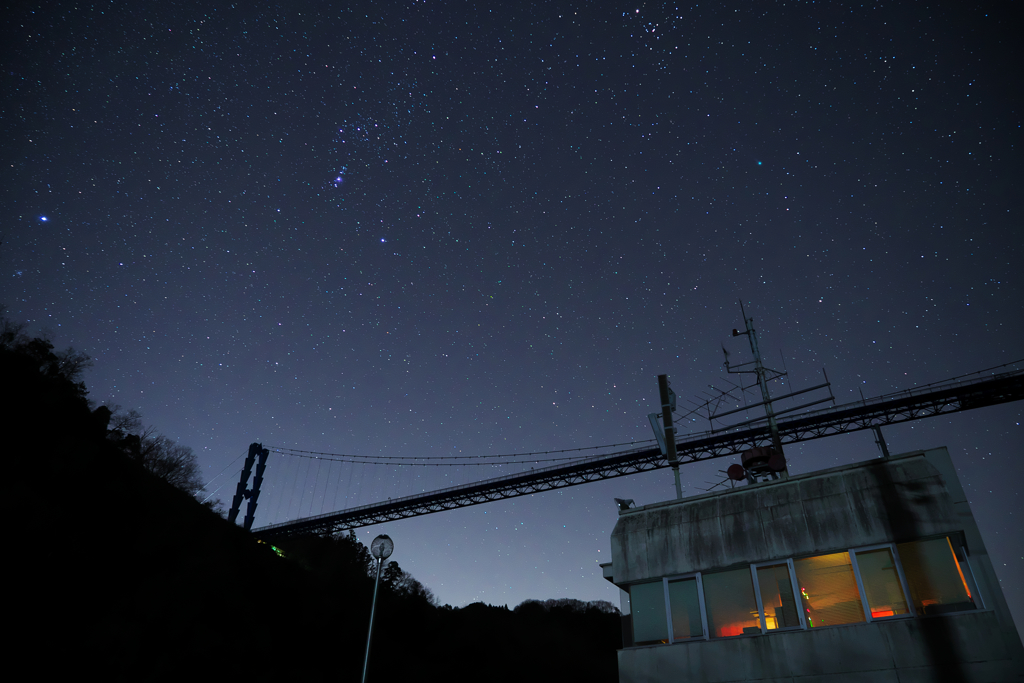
(381,548)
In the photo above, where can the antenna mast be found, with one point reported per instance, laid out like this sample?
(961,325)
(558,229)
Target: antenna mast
(762,381)
(668,401)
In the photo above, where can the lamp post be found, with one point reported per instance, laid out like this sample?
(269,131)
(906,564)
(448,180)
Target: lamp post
(381,548)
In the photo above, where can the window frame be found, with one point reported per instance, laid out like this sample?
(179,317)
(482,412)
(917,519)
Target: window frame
(723,570)
(911,612)
(668,617)
(958,544)
(796,595)
(955,541)
(857,584)
(700,601)
(974,579)
(958,541)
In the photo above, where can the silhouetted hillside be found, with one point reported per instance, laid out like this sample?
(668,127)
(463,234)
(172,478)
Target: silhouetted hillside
(117,572)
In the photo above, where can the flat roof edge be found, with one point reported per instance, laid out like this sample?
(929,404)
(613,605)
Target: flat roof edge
(806,475)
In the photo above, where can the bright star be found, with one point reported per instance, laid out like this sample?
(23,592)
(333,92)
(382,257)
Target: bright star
(43,218)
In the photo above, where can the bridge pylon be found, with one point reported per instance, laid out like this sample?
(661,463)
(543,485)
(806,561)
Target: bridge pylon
(256,450)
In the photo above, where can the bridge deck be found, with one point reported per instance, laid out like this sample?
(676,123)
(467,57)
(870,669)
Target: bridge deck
(915,404)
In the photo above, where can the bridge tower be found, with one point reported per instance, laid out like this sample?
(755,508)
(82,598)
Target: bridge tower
(256,450)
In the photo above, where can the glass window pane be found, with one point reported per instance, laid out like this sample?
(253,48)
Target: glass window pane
(729,600)
(777,597)
(935,577)
(881,583)
(682,597)
(965,570)
(647,605)
(828,590)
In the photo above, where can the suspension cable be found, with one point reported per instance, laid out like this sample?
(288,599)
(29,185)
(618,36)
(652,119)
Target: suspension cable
(429,464)
(377,459)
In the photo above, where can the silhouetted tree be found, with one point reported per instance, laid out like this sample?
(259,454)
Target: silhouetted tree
(404,585)
(62,370)
(341,559)
(36,374)
(568,605)
(168,460)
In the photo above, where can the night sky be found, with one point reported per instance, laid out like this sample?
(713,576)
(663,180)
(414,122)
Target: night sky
(434,230)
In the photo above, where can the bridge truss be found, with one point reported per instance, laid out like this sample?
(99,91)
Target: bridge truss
(915,404)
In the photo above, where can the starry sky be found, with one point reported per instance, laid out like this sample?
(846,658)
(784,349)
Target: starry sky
(446,231)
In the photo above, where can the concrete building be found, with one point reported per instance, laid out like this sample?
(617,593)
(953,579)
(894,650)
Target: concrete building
(874,571)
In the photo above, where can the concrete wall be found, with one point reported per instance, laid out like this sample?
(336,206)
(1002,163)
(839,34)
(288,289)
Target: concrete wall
(880,501)
(830,510)
(896,651)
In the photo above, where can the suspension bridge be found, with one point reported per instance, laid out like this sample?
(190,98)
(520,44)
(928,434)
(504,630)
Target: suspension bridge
(978,390)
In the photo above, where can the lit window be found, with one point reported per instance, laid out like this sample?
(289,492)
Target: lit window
(938,581)
(828,590)
(729,600)
(881,581)
(776,590)
(685,603)
(647,607)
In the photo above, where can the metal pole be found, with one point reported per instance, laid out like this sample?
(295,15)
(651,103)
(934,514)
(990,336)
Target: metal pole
(773,426)
(670,433)
(880,440)
(373,609)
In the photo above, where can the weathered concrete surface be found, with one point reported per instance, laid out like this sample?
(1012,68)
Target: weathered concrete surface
(880,501)
(825,511)
(879,651)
